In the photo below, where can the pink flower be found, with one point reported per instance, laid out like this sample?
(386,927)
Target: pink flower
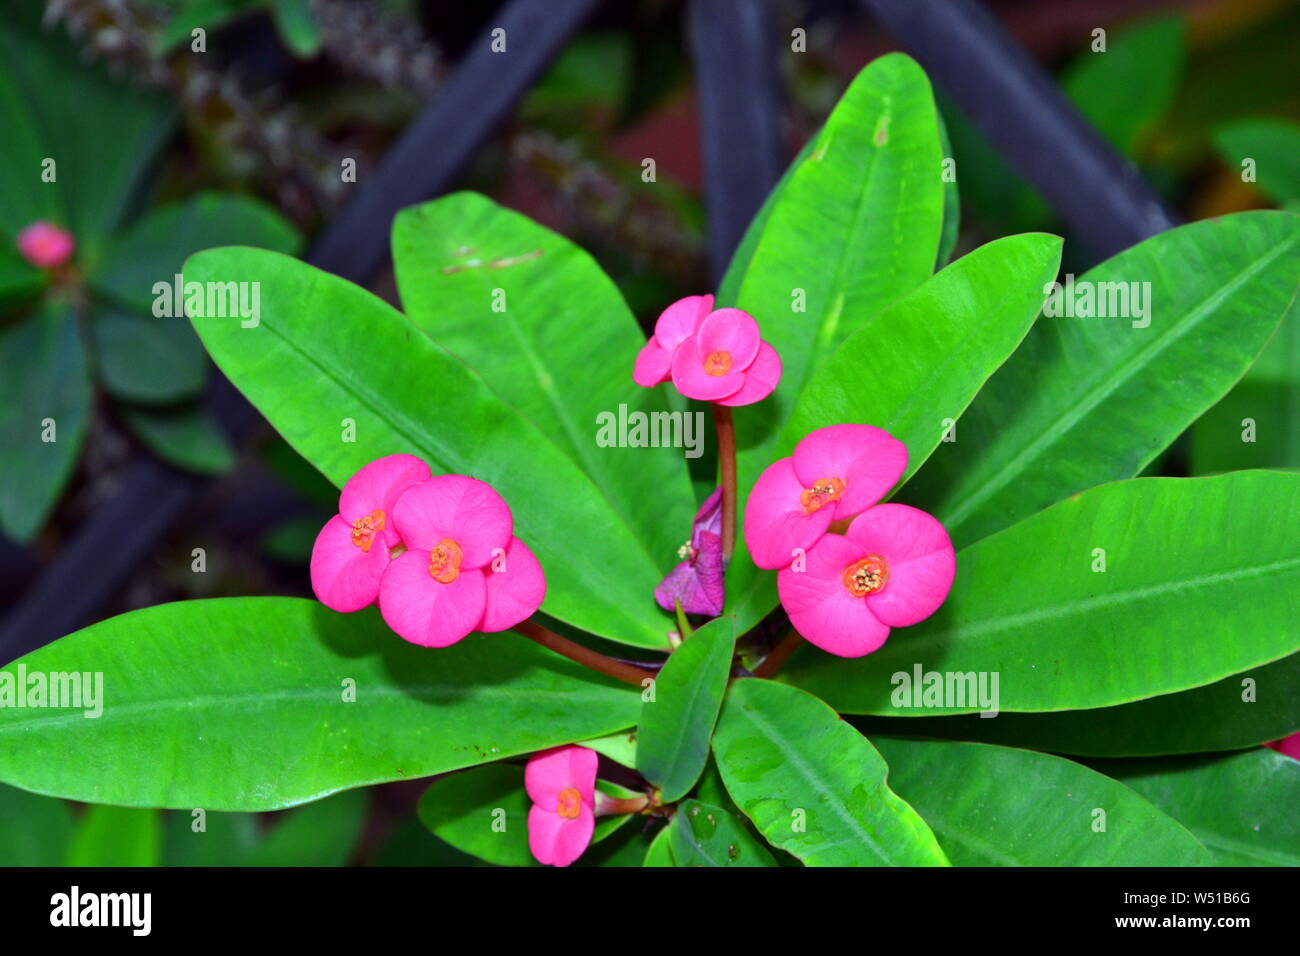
(697,581)
(835,473)
(711,356)
(463,570)
(1287,745)
(561,782)
(892,568)
(351,552)
(675,325)
(45,245)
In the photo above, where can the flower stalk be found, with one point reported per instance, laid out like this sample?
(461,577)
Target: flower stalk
(727,460)
(619,670)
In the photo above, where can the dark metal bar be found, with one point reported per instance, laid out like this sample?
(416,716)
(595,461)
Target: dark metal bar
(425,161)
(1099,194)
(736,49)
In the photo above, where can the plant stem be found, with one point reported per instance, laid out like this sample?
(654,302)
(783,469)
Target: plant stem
(627,673)
(727,459)
(607,805)
(780,654)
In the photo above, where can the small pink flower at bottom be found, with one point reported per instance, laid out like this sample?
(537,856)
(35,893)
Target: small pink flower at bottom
(835,473)
(697,582)
(1287,745)
(892,568)
(676,323)
(463,570)
(561,782)
(351,552)
(726,362)
(45,245)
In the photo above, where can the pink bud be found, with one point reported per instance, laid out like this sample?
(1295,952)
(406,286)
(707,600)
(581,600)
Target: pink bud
(45,245)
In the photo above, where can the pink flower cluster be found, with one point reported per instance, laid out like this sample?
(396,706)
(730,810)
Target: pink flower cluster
(561,782)
(714,356)
(45,245)
(892,567)
(438,553)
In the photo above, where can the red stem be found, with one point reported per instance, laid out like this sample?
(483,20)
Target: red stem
(627,673)
(727,459)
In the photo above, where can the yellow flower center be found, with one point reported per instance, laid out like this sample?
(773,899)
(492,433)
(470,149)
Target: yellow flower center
(365,528)
(570,805)
(717,363)
(866,576)
(444,561)
(823,492)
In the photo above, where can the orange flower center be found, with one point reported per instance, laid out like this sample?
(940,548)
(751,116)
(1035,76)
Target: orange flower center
(717,363)
(365,528)
(444,561)
(866,576)
(822,492)
(570,805)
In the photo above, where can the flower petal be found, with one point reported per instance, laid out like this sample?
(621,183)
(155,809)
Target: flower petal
(344,577)
(708,518)
(820,606)
(693,382)
(653,366)
(775,522)
(697,583)
(467,510)
(761,378)
(919,555)
(428,612)
(680,320)
(559,768)
(868,459)
(555,841)
(378,485)
(516,591)
(729,330)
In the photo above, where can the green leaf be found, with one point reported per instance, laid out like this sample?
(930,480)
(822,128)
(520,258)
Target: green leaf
(1089,400)
(18,280)
(1242,807)
(1030,606)
(148,360)
(549,332)
(34,830)
(484,812)
(855,226)
(951,200)
(1126,88)
(227,839)
(619,747)
(705,835)
(297,26)
(320,834)
(812,784)
(117,836)
(661,849)
(1243,710)
(59,106)
(916,365)
(675,727)
(996,806)
(140,266)
(44,394)
(404,393)
(1272,145)
(246,697)
(186,436)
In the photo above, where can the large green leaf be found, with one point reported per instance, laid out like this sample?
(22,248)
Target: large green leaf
(117,836)
(146,359)
(327,353)
(1242,807)
(914,367)
(997,806)
(484,812)
(34,830)
(704,835)
(188,437)
(44,394)
(1088,400)
(59,106)
(675,727)
(548,331)
(1201,580)
(1243,710)
(241,704)
(661,849)
(1273,147)
(812,784)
